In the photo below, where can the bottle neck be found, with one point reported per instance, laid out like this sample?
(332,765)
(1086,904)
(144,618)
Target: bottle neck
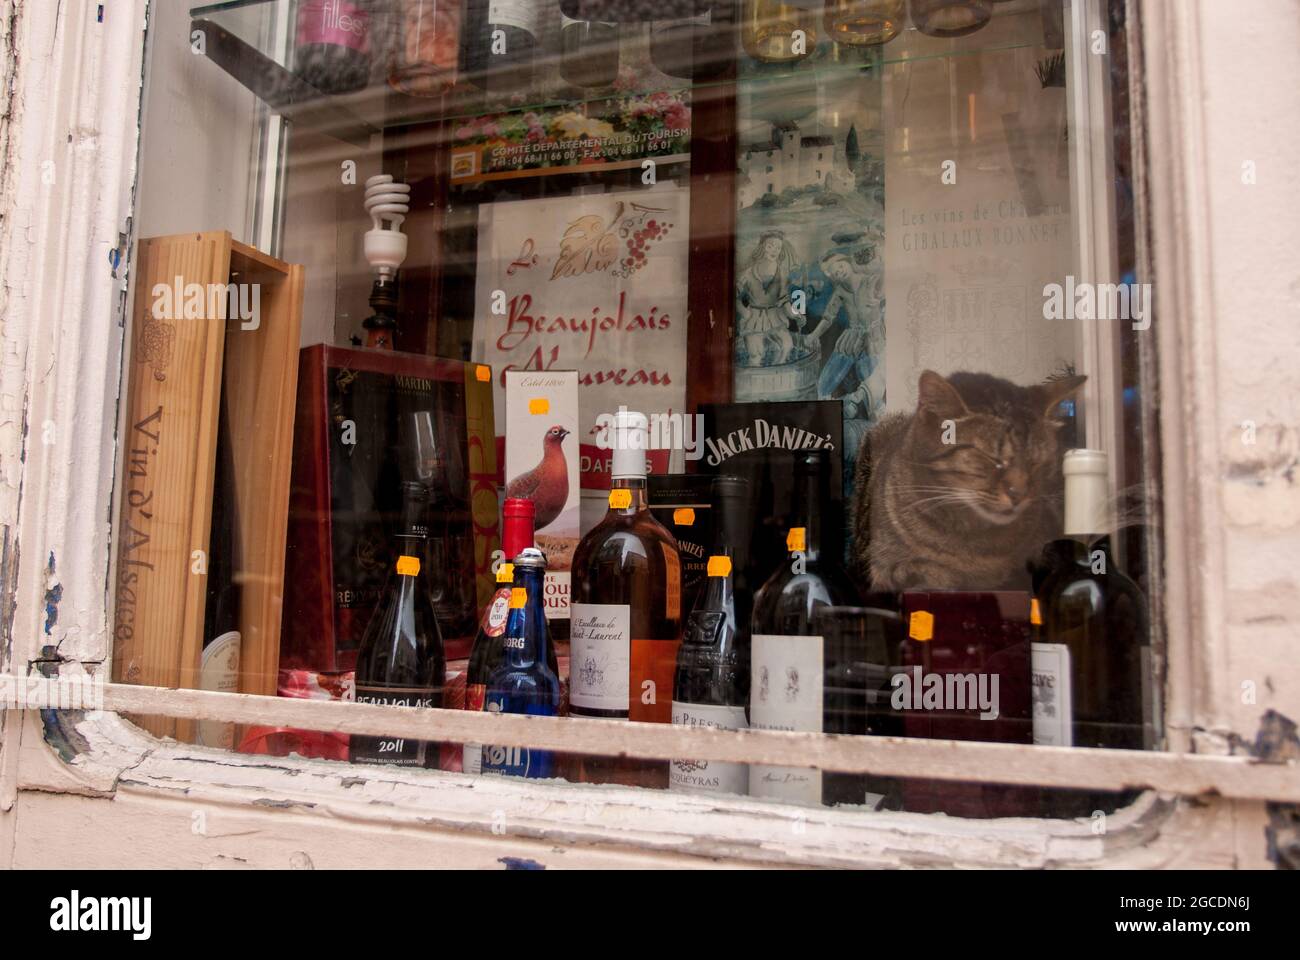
(719,586)
(633,501)
(528,619)
(414,527)
(516,536)
(811,495)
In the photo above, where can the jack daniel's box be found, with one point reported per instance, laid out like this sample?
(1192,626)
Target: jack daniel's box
(754,441)
(366,421)
(681,502)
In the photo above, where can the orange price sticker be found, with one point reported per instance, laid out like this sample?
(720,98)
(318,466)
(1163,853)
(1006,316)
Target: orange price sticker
(921,626)
(408,566)
(620,499)
(518,598)
(684,517)
(795,539)
(483,373)
(719,566)
(539,405)
(1035,613)
(506,573)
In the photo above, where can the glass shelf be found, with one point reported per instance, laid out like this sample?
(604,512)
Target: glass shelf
(252,40)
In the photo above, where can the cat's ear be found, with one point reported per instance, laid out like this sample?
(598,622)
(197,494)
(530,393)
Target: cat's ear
(937,396)
(1051,394)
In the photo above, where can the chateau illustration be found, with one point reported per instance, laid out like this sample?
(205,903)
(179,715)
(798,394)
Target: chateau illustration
(791,160)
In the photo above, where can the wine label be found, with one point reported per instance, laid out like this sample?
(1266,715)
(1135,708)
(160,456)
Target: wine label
(708,776)
(1049,670)
(523,14)
(556,590)
(673,582)
(498,612)
(335,22)
(398,751)
(786,694)
(600,657)
(219,670)
(651,684)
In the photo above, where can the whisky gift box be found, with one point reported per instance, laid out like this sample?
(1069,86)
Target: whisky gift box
(680,501)
(964,675)
(366,421)
(541,465)
(754,441)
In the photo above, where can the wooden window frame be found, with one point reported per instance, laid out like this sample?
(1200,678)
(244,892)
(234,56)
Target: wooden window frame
(75,110)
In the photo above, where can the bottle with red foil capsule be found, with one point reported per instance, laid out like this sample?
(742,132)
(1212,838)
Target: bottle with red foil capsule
(488,650)
(333,44)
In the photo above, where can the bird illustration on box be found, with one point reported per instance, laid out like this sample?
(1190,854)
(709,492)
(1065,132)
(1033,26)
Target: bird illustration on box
(547,484)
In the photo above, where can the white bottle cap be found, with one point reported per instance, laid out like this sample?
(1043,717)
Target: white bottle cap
(630,441)
(1087,483)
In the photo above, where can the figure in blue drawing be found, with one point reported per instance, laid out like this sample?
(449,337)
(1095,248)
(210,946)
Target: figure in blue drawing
(856,276)
(763,307)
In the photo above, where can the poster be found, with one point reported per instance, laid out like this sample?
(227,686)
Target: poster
(979,213)
(596,284)
(543,141)
(810,298)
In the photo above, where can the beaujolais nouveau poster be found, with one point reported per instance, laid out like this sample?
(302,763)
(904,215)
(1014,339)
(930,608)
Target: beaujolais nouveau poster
(595,284)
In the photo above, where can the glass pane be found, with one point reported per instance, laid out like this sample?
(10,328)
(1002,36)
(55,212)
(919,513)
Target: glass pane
(726,363)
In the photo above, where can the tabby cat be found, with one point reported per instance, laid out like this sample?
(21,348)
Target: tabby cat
(963,494)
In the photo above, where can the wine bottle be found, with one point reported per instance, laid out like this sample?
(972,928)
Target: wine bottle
(401,660)
(773,31)
(790,655)
(219,666)
(626,618)
(865,22)
(499,45)
(333,46)
(525,681)
(426,48)
(487,652)
(1092,670)
(711,683)
(588,52)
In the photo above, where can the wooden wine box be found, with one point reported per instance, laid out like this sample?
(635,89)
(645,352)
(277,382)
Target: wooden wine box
(207,309)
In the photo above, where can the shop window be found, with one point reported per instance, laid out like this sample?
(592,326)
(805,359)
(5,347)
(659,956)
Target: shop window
(528,363)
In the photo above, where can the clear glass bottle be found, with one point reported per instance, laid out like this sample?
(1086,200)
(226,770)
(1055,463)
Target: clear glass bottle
(861,23)
(950,18)
(332,52)
(776,32)
(626,616)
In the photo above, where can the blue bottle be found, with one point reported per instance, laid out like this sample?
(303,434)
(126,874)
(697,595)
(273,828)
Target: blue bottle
(524,682)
